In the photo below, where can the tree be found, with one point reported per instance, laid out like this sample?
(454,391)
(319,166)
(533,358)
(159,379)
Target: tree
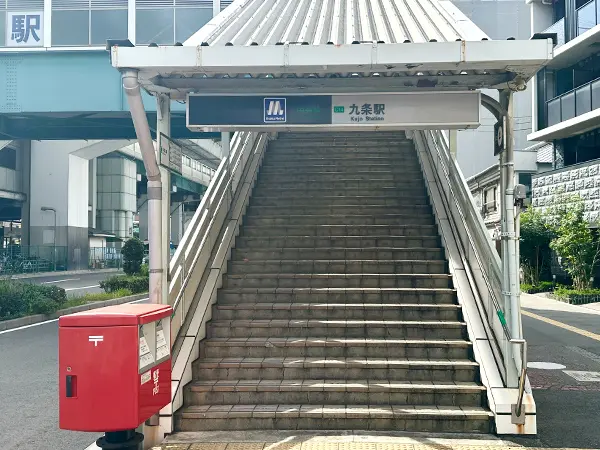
(575,243)
(535,240)
(133,254)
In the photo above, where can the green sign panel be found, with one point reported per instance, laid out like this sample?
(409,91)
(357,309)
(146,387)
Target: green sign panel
(338,109)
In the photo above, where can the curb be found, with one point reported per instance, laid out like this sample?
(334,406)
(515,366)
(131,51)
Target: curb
(30,320)
(56,273)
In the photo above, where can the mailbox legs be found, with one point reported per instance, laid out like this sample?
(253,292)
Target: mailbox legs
(120,440)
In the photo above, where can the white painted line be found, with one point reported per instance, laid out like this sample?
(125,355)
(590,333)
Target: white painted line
(545,366)
(583,375)
(93,447)
(61,281)
(24,327)
(82,287)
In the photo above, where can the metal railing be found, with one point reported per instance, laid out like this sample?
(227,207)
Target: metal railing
(21,259)
(191,258)
(197,268)
(105,258)
(481,261)
(573,103)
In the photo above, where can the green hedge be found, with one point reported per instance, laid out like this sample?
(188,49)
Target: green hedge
(22,299)
(577,297)
(542,286)
(136,283)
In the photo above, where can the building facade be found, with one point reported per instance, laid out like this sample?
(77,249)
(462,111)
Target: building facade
(89,23)
(567,102)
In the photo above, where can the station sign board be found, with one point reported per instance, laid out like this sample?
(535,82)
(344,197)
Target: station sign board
(405,110)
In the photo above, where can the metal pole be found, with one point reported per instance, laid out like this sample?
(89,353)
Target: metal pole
(53,210)
(142,131)
(509,235)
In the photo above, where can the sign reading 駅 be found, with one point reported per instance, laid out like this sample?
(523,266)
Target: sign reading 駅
(416,110)
(24,29)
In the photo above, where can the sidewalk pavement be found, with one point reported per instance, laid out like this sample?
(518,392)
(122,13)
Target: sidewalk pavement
(332,440)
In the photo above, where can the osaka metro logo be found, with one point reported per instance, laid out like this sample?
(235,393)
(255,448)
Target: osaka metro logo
(275,110)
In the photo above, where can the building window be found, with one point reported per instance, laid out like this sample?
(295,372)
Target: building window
(8,158)
(2,29)
(166,22)
(108,24)
(525,180)
(92,22)
(489,200)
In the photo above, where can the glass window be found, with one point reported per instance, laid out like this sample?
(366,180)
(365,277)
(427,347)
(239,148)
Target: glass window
(8,158)
(108,24)
(71,27)
(190,20)
(2,29)
(154,25)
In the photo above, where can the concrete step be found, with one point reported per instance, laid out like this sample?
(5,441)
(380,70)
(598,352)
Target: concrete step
(336,311)
(345,219)
(326,280)
(399,329)
(335,347)
(363,209)
(347,184)
(292,368)
(358,164)
(308,230)
(337,266)
(372,253)
(308,417)
(340,152)
(338,347)
(333,392)
(404,201)
(300,190)
(303,177)
(342,242)
(338,295)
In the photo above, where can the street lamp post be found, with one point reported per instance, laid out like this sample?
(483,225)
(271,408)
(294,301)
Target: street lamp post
(47,208)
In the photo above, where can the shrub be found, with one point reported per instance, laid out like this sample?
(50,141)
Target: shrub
(575,243)
(577,296)
(19,299)
(145,270)
(98,297)
(535,240)
(133,254)
(134,284)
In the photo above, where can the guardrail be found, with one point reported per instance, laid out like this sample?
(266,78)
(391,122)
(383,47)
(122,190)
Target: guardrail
(481,261)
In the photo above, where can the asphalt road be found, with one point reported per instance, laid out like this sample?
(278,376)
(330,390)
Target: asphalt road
(29,392)
(75,285)
(568,409)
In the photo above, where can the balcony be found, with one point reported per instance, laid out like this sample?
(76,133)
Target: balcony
(559,29)
(587,16)
(574,103)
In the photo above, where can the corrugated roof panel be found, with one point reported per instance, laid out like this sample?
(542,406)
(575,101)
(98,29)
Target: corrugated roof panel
(270,22)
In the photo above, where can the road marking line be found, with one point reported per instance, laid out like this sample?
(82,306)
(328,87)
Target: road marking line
(60,281)
(83,287)
(564,326)
(50,321)
(585,353)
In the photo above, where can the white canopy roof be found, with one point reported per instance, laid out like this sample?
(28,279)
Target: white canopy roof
(328,46)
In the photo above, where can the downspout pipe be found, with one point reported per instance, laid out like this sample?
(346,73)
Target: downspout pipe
(131,86)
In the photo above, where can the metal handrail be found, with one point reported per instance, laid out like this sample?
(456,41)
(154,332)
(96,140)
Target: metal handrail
(479,240)
(523,377)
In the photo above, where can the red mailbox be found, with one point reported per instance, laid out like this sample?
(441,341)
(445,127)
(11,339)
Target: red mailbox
(114,367)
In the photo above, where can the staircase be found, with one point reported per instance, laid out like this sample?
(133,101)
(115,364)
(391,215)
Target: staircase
(338,310)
